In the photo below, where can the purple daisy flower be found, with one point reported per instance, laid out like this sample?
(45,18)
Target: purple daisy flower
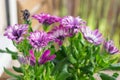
(46,18)
(39,39)
(73,24)
(45,57)
(58,34)
(110,47)
(16,32)
(94,37)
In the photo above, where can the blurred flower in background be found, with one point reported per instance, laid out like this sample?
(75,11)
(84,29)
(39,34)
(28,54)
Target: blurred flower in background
(110,47)
(94,37)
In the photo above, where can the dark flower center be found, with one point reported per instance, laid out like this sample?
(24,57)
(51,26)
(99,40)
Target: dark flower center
(17,34)
(75,27)
(46,22)
(60,37)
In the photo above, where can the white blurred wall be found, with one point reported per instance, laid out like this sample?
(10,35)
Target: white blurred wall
(3,18)
(13,12)
(5,59)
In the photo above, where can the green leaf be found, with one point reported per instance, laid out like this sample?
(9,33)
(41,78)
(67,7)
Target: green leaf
(88,69)
(39,70)
(11,52)
(64,74)
(7,51)
(115,66)
(106,77)
(59,66)
(12,74)
(14,57)
(79,36)
(14,54)
(92,78)
(24,47)
(115,75)
(18,69)
(72,59)
(52,49)
(2,51)
(61,54)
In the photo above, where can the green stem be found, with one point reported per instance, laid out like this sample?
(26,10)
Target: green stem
(45,27)
(30,25)
(71,42)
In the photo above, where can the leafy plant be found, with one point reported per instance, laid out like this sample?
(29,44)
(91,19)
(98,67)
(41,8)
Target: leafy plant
(81,52)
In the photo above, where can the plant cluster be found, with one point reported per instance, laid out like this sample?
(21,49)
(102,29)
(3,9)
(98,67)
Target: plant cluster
(68,51)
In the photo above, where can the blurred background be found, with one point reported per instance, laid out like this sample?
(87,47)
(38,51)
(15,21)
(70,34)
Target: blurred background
(101,14)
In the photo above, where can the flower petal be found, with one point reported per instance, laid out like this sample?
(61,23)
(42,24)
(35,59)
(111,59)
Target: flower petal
(51,57)
(45,54)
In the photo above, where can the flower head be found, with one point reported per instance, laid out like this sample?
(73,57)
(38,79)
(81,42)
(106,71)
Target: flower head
(45,57)
(94,37)
(39,39)
(46,18)
(73,24)
(110,47)
(16,32)
(58,34)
